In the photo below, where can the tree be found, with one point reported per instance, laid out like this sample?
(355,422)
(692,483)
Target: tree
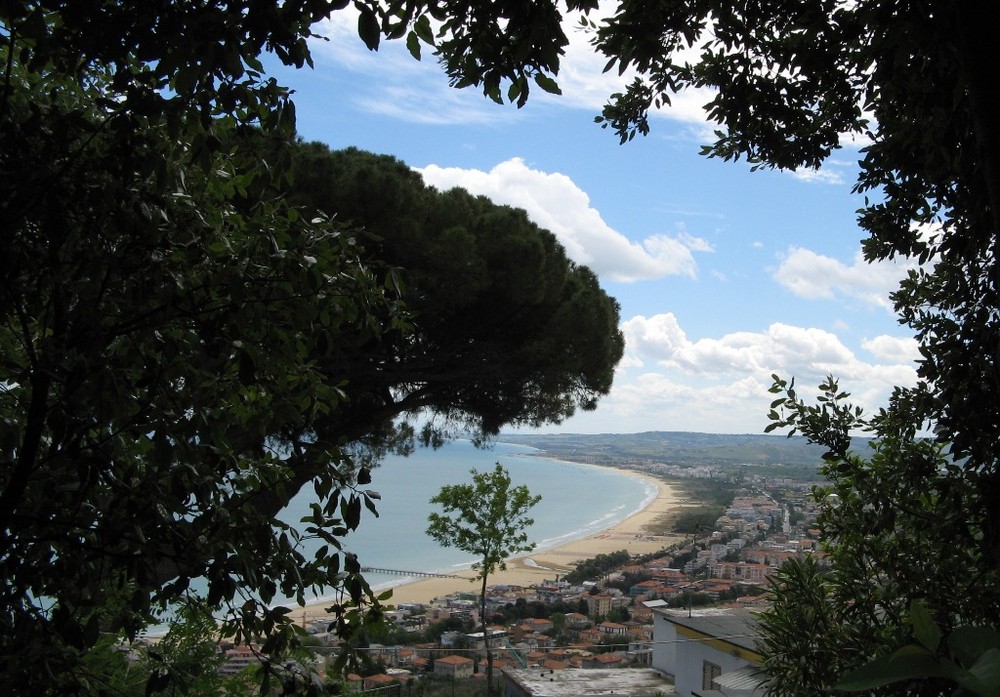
(902,528)
(487,519)
(506,330)
(181,349)
(157,388)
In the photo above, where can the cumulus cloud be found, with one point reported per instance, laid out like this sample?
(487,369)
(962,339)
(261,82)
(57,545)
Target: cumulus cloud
(810,275)
(894,349)
(554,202)
(669,381)
(807,352)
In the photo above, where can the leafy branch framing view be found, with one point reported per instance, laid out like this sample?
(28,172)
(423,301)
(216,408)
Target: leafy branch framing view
(184,349)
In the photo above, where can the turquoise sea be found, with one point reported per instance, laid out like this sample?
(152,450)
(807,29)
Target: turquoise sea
(577,500)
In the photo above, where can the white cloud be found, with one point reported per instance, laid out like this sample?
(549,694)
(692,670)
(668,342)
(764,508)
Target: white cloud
(554,202)
(398,85)
(671,382)
(805,352)
(891,348)
(821,176)
(815,276)
(418,91)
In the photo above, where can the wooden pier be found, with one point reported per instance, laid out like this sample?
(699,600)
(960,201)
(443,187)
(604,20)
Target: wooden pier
(397,572)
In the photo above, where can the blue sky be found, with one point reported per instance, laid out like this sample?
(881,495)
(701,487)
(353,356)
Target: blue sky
(724,275)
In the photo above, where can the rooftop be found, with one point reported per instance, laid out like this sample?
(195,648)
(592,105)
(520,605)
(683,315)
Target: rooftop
(737,628)
(575,682)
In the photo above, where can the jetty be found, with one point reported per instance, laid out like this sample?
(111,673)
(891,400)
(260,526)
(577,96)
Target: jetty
(399,572)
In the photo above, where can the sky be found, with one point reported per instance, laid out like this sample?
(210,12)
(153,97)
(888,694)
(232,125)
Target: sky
(724,276)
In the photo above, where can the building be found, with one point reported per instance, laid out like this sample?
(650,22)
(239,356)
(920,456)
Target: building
(574,682)
(707,651)
(457,667)
(599,605)
(613,628)
(603,660)
(238,659)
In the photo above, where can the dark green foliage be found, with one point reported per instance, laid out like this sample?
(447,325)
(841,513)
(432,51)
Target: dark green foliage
(685,600)
(182,349)
(805,603)
(158,392)
(901,524)
(452,624)
(592,569)
(969,658)
(506,330)
(523,609)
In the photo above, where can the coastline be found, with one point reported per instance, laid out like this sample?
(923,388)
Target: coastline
(636,533)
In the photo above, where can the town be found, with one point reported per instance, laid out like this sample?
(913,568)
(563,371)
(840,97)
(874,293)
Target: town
(678,621)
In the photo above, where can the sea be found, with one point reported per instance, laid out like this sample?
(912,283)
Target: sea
(578,500)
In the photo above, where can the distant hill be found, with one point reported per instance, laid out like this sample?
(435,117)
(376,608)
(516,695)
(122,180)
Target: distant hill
(678,447)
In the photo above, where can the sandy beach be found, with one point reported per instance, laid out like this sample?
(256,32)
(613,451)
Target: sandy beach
(634,534)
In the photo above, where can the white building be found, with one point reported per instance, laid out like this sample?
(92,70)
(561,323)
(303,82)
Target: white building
(707,652)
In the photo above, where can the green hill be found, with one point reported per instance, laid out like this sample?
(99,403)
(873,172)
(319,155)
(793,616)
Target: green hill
(678,448)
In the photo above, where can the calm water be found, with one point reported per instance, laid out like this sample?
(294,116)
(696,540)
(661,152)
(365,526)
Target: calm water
(577,500)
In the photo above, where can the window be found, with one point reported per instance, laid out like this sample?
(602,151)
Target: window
(709,672)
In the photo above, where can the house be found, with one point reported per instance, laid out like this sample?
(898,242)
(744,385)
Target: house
(379,680)
(612,628)
(457,667)
(645,588)
(552,664)
(534,624)
(404,656)
(708,650)
(603,660)
(355,683)
(573,682)
(535,658)
(590,636)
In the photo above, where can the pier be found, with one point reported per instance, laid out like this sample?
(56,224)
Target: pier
(397,572)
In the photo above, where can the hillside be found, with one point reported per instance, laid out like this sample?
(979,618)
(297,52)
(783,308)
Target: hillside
(677,447)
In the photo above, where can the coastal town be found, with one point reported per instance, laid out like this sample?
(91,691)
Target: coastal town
(611,612)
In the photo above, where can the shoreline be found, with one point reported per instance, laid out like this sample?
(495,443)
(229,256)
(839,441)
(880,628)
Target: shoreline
(637,533)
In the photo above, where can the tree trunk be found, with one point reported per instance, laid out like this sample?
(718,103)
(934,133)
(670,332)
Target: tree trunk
(486,638)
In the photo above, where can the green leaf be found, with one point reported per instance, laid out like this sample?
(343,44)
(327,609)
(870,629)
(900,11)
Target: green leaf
(985,672)
(924,628)
(413,44)
(422,28)
(547,83)
(908,663)
(369,29)
(514,91)
(968,643)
